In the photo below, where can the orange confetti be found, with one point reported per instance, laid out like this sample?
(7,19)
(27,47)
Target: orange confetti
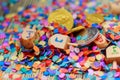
(112,36)
(84,68)
(42,69)
(36,49)
(15,30)
(18,67)
(63,70)
(99,10)
(0,73)
(86,52)
(67,51)
(117,29)
(73,76)
(56,25)
(36,64)
(92,59)
(75,58)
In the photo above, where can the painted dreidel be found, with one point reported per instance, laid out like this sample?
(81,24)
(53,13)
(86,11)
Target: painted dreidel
(28,37)
(106,25)
(60,41)
(113,54)
(114,7)
(101,41)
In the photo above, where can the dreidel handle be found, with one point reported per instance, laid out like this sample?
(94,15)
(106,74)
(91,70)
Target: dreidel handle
(73,44)
(114,67)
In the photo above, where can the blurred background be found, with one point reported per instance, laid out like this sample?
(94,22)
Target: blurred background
(12,6)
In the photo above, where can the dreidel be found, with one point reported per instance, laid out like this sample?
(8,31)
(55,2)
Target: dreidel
(113,54)
(101,41)
(60,41)
(114,7)
(28,37)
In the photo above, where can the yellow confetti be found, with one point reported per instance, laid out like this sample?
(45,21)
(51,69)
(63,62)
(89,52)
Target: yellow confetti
(13,58)
(63,17)
(1,58)
(42,43)
(21,56)
(10,15)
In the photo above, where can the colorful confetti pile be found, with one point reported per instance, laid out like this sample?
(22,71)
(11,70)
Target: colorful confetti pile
(60,40)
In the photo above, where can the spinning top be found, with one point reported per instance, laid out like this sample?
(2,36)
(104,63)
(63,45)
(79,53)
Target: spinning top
(60,41)
(113,54)
(28,36)
(114,7)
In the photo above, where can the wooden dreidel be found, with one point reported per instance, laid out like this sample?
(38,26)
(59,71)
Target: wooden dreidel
(60,41)
(106,25)
(101,41)
(113,54)
(28,37)
(114,7)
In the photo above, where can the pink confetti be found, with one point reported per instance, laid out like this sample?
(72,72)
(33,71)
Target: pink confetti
(33,9)
(5,24)
(0,47)
(2,36)
(90,72)
(72,54)
(62,75)
(94,48)
(45,22)
(5,44)
(117,74)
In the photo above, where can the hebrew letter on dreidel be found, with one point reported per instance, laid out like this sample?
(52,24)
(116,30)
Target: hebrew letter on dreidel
(28,36)
(28,33)
(113,54)
(60,41)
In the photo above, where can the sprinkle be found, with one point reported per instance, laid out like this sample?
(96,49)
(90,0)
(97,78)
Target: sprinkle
(77,50)
(55,58)
(36,49)
(90,72)
(75,58)
(46,73)
(42,43)
(55,31)
(91,59)
(78,38)
(43,78)
(23,70)
(62,75)
(1,58)
(99,56)
(72,76)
